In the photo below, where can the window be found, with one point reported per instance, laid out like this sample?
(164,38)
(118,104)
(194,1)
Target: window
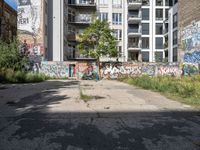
(159,28)
(159,2)
(117,3)
(145,2)
(145,14)
(166,13)
(159,14)
(103,2)
(118,34)
(169,2)
(103,17)
(145,43)
(145,56)
(159,43)
(117,18)
(175,38)
(175,20)
(158,56)
(175,55)
(145,28)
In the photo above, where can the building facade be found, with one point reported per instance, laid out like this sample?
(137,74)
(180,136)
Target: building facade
(189,31)
(146,30)
(8,21)
(33,25)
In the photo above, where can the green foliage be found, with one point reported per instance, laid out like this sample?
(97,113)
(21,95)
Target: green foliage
(184,89)
(97,40)
(10,76)
(10,57)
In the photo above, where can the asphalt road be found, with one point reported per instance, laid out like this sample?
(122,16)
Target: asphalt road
(51,116)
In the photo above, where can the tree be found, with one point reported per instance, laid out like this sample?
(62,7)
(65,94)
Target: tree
(97,40)
(10,57)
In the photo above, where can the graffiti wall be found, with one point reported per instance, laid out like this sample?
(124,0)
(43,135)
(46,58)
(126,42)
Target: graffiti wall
(55,69)
(31,25)
(87,70)
(77,70)
(116,70)
(191,43)
(171,70)
(90,70)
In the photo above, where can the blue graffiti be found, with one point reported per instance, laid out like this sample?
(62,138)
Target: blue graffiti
(192,57)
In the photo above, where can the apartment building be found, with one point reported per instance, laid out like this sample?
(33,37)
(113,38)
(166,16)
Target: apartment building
(140,27)
(113,11)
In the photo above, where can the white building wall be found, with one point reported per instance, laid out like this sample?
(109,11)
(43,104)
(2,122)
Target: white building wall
(58,31)
(110,10)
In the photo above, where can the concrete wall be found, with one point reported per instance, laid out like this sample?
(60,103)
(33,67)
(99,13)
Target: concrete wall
(90,70)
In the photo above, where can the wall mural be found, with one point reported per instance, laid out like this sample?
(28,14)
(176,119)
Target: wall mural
(87,70)
(191,43)
(29,15)
(116,70)
(30,25)
(90,71)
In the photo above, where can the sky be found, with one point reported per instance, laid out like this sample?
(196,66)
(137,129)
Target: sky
(12,3)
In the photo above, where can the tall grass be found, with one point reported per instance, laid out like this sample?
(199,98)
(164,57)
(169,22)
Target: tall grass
(11,76)
(185,89)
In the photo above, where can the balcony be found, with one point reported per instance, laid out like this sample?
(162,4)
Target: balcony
(132,19)
(134,46)
(134,33)
(83,4)
(82,19)
(134,4)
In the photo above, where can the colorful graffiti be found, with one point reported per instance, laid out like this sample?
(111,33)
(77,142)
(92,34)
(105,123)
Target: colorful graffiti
(55,69)
(90,70)
(190,69)
(171,70)
(191,43)
(192,57)
(87,71)
(149,69)
(116,70)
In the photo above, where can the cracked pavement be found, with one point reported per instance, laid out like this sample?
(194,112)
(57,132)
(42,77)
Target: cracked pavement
(51,116)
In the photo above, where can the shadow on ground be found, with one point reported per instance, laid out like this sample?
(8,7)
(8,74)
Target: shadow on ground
(35,128)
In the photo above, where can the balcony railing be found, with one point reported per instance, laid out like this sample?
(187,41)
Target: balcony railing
(134,45)
(133,31)
(83,3)
(87,19)
(134,1)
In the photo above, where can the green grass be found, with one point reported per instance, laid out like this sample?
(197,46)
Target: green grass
(184,89)
(10,76)
(84,97)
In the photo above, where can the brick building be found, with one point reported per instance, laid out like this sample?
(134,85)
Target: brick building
(8,21)
(189,31)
